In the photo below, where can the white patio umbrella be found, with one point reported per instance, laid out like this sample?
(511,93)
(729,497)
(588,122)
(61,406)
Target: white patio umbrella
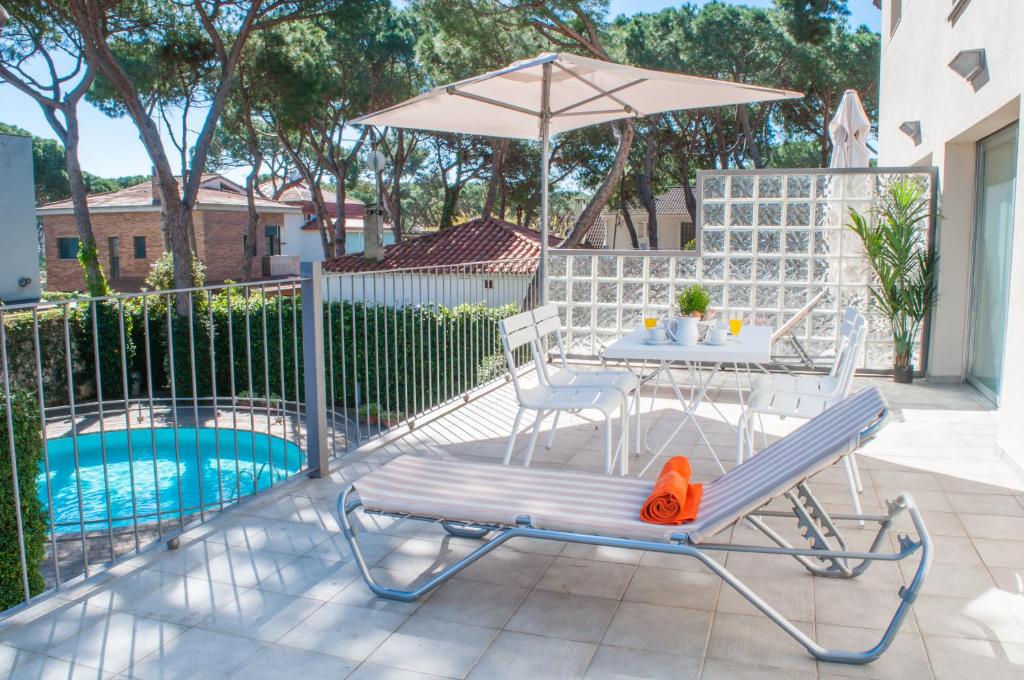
(849,130)
(554,92)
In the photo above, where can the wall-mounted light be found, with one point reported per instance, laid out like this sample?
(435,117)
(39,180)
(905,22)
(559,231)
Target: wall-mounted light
(970,65)
(912,129)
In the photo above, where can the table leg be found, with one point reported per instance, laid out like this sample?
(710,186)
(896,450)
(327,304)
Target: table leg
(689,412)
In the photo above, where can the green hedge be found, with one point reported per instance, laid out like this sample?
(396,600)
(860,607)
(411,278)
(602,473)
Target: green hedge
(28,445)
(403,359)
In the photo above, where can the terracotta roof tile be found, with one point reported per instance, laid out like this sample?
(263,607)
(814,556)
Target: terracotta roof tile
(513,249)
(142,195)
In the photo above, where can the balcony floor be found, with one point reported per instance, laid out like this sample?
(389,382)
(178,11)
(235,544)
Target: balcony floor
(270,590)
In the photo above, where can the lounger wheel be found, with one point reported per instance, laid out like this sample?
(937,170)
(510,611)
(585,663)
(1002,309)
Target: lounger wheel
(462,531)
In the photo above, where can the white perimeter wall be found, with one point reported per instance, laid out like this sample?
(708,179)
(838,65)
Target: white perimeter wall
(917,84)
(446,290)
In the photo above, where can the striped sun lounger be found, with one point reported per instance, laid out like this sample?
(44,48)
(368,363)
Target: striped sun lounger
(481,500)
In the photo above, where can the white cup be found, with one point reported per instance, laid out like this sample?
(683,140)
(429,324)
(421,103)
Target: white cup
(656,334)
(716,336)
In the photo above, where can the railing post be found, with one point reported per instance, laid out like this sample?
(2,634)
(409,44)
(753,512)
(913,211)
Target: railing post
(313,368)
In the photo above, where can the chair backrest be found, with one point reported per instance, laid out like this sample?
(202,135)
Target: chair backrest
(517,331)
(548,324)
(846,361)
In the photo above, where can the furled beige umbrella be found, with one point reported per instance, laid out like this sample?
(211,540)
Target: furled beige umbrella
(553,93)
(849,130)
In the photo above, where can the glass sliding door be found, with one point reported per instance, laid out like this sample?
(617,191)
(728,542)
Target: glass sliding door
(993,239)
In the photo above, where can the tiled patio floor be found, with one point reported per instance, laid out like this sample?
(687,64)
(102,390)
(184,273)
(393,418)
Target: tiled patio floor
(269,590)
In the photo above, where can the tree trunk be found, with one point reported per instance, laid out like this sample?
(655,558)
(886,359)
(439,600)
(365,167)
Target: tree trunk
(253,221)
(644,182)
(499,148)
(604,192)
(630,227)
(95,282)
(340,236)
(749,140)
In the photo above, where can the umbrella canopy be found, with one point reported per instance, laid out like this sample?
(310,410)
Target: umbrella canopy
(849,132)
(509,102)
(552,93)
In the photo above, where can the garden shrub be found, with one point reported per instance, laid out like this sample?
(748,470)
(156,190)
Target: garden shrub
(21,353)
(108,340)
(28,447)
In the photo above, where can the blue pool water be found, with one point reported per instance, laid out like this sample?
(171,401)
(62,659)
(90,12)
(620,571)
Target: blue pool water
(200,455)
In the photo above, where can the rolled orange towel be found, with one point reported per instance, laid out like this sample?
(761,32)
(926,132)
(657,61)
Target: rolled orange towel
(673,500)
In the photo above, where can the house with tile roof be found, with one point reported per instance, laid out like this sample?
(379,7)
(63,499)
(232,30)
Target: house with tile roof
(481,260)
(129,236)
(304,240)
(675,224)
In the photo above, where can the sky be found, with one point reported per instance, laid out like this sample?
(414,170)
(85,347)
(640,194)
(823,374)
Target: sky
(110,147)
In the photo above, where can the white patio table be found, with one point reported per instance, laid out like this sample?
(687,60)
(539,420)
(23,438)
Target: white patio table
(752,346)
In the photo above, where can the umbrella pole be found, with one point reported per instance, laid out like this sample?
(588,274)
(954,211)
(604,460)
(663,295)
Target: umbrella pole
(545,122)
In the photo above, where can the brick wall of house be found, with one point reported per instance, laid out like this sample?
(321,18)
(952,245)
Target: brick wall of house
(220,242)
(219,236)
(66,275)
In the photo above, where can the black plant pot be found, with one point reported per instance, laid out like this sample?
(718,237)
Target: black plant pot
(903,374)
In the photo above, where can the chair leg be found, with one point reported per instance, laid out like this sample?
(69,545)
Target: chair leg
(856,472)
(533,438)
(851,479)
(608,445)
(512,437)
(744,436)
(554,428)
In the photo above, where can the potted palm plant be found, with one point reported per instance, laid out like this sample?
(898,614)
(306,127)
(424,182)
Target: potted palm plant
(895,246)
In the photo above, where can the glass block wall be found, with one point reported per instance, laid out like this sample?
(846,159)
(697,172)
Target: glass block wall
(769,241)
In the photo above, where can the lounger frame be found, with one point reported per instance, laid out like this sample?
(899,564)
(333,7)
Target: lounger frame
(827,555)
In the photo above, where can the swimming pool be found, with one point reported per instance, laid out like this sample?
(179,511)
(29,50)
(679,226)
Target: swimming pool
(214,465)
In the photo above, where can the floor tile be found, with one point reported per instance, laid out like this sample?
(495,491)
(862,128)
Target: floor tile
(432,646)
(717,669)
(514,656)
(508,566)
(673,588)
(260,615)
(53,627)
(571,617)
(184,601)
(624,663)
(659,629)
(116,643)
(275,663)
(198,655)
(587,577)
(959,659)
(49,668)
(757,641)
(339,630)
(376,671)
(474,603)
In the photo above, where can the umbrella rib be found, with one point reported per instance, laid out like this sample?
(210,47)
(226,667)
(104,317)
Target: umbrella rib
(601,95)
(604,93)
(493,102)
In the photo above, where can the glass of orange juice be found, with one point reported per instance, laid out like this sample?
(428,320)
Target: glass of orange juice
(650,322)
(735,326)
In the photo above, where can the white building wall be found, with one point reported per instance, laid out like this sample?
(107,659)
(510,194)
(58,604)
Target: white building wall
(446,289)
(19,257)
(918,85)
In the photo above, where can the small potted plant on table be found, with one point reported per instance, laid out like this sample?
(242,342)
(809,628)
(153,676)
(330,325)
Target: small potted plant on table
(693,301)
(895,246)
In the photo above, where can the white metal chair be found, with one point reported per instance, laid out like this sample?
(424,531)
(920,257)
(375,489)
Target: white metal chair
(808,396)
(549,325)
(519,331)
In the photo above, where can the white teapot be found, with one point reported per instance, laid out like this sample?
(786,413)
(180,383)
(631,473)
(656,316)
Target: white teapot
(683,330)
